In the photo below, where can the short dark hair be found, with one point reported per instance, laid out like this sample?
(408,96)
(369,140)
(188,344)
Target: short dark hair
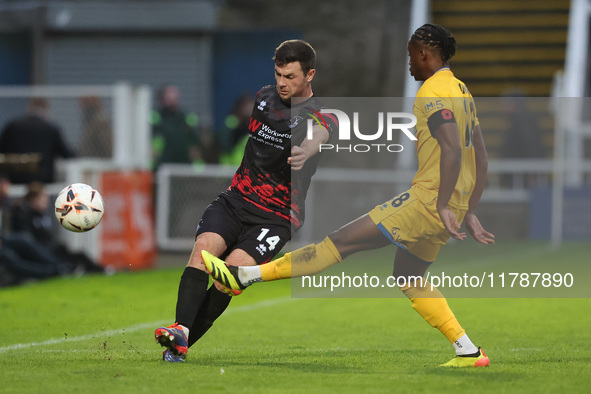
(296,51)
(436,36)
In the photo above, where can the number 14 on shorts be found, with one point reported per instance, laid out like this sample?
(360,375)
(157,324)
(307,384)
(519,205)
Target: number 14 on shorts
(272,240)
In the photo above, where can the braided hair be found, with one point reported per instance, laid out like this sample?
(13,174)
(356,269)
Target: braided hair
(436,36)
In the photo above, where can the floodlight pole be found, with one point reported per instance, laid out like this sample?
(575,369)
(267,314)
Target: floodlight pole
(419,15)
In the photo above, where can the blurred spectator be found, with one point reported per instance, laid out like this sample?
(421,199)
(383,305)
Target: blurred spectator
(6,276)
(174,136)
(35,133)
(209,147)
(97,139)
(235,134)
(21,257)
(5,201)
(30,214)
(33,216)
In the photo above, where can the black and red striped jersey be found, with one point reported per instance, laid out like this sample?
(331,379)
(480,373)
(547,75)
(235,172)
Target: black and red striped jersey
(264,178)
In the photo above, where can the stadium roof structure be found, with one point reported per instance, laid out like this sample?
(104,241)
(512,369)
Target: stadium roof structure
(89,16)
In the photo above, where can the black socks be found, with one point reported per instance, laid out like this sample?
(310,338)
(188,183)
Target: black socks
(192,291)
(213,306)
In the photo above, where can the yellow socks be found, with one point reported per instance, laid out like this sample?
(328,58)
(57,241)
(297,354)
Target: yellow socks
(277,269)
(308,260)
(433,307)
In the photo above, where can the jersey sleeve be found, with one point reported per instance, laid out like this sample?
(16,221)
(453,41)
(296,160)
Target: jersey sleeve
(330,123)
(436,106)
(324,120)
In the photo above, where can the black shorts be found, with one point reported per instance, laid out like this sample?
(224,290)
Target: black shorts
(245,226)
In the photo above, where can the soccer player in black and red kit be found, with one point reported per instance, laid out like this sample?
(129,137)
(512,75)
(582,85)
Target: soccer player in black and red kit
(249,223)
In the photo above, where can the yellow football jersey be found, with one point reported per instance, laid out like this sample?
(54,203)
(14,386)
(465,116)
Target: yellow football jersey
(442,99)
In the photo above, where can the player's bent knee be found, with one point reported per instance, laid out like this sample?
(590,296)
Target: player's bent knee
(210,242)
(198,264)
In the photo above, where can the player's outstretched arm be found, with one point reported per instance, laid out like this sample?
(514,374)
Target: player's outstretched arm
(472,223)
(308,148)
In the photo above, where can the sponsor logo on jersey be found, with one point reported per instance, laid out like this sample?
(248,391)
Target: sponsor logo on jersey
(396,236)
(253,125)
(262,105)
(433,105)
(295,121)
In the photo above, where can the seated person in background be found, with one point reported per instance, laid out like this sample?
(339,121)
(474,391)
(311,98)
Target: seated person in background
(21,257)
(33,216)
(5,200)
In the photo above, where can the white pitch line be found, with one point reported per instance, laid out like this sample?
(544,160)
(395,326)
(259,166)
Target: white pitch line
(138,327)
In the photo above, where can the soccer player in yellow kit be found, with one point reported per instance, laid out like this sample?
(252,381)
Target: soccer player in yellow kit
(445,191)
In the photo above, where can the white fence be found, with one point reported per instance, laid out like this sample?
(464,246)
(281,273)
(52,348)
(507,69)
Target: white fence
(126,108)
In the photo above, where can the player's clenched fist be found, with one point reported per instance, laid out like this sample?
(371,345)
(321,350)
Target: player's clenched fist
(297,159)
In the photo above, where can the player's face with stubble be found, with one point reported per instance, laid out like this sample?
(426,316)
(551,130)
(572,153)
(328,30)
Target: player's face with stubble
(291,81)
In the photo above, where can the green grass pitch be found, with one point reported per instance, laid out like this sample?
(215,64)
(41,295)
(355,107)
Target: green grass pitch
(95,335)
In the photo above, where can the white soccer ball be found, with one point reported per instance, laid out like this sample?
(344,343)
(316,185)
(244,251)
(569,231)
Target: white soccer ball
(79,207)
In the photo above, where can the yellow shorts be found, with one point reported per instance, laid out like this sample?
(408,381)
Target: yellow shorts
(411,221)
